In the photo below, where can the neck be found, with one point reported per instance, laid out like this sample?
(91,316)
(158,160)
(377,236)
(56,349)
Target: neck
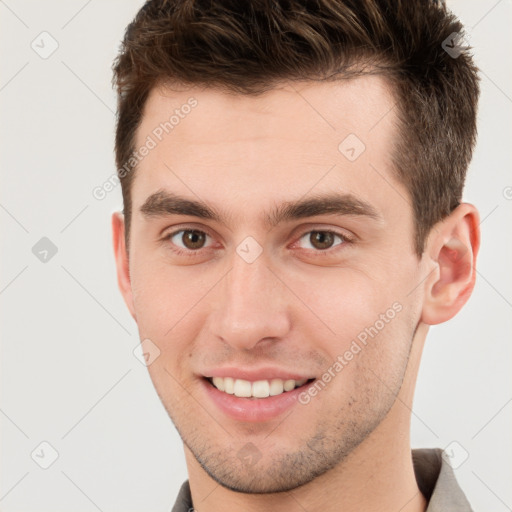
(378,475)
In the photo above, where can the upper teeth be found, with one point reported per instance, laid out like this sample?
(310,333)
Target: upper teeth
(259,389)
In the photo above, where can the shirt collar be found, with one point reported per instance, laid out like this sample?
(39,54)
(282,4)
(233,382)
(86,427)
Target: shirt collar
(436,480)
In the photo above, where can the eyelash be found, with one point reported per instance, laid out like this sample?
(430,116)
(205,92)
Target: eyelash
(316,252)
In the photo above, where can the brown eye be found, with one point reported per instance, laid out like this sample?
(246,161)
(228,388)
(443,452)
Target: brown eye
(322,240)
(191,239)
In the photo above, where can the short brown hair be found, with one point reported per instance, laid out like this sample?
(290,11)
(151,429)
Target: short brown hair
(246,47)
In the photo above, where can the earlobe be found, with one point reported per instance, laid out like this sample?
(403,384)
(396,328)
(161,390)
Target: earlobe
(122,260)
(453,248)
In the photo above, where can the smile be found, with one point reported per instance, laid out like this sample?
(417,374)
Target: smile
(258,389)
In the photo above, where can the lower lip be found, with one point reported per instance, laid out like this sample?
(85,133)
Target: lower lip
(253,409)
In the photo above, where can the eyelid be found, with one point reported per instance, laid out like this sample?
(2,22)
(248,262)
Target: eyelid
(187,226)
(173,233)
(167,233)
(180,251)
(346,239)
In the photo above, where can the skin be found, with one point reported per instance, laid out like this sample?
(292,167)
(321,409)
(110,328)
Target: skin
(295,307)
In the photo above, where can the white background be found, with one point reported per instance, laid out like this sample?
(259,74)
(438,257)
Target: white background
(68,374)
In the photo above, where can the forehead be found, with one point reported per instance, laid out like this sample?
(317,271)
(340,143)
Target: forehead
(304,108)
(296,137)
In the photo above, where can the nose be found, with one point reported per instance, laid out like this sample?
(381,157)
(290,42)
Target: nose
(252,305)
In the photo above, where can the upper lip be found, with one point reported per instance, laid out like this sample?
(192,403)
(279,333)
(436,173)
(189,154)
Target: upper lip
(255,374)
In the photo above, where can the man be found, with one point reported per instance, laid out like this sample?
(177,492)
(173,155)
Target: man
(292,175)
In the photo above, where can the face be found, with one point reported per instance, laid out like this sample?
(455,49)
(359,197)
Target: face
(272,256)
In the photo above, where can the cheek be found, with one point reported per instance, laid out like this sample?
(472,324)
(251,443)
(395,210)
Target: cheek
(343,303)
(367,324)
(165,297)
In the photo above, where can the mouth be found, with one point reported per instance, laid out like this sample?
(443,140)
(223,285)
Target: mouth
(259,389)
(254,394)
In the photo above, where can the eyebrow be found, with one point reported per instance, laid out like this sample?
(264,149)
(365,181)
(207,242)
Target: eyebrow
(164,203)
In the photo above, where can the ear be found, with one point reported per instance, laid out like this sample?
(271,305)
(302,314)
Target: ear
(122,262)
(452,248)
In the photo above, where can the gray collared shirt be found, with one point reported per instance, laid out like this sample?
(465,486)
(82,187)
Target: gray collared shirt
(434,475)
